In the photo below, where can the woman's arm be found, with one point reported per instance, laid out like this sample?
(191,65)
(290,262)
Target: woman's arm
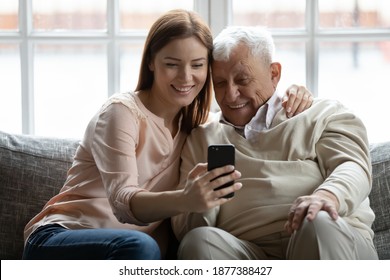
(198,195)
(296,100)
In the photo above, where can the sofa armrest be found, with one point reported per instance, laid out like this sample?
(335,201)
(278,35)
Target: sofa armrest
(380,197)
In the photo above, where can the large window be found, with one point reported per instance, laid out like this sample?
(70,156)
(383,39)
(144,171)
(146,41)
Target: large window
(59,60)
(339,49)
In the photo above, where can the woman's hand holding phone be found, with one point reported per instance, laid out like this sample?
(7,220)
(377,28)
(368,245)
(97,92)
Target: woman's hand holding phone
(202,190)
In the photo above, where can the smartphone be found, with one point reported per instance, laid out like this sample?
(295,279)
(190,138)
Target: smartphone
(218,156)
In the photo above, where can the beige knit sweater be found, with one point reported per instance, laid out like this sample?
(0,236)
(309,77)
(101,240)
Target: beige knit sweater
(325,147)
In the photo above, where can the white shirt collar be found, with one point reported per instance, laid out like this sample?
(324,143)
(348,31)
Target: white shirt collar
(261,121)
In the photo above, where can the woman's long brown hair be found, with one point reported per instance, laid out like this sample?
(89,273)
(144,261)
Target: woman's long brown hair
(178,24)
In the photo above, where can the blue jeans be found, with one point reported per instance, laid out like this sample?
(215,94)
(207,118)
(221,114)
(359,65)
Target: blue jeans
(53,242)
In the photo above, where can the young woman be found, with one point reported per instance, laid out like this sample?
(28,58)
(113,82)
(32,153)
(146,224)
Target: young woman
(121,187)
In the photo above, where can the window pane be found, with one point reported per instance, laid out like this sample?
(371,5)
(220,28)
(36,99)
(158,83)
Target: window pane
(69,15)
(130,61)
(354,13)
(292,58)
(70,86)
(10,89)
(142,14)
(273,14)
(357,74)
(9,15)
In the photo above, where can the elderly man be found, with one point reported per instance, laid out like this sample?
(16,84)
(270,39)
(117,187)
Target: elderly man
(305,180)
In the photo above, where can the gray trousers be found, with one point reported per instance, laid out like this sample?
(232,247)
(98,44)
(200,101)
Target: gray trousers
(322,238)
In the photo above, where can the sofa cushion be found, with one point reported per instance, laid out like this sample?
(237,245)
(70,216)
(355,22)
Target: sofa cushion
(32,170)
(380,197)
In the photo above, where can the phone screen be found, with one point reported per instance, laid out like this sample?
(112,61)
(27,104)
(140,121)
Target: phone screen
(221,155)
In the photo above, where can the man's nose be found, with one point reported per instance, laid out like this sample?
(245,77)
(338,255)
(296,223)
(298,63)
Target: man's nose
(231,92)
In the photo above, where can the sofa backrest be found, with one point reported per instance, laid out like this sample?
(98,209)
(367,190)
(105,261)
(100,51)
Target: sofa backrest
(32,170)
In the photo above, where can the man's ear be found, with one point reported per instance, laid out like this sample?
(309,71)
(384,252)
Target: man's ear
(276,73)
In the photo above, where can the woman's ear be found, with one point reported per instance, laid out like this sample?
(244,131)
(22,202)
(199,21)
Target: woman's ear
(151,66)
(276,73)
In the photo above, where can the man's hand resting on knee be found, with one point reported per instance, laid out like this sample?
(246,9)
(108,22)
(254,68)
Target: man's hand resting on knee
(308,206)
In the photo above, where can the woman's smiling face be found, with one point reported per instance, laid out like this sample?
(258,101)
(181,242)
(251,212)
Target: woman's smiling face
(180,72)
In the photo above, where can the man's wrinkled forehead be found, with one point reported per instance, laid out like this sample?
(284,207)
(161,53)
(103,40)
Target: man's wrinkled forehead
(239,60)
(239,50)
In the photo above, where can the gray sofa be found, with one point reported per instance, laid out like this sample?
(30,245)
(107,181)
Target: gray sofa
(33,169)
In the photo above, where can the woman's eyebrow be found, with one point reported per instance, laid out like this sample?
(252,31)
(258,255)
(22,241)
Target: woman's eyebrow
(178,59)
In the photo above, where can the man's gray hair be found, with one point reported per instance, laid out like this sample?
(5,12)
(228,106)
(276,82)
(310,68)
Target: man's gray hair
(257,38)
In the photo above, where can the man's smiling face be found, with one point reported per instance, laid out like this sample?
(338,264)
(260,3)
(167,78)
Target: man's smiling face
(242,84)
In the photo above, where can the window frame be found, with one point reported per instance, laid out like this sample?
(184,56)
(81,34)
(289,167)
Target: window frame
(311,34)
(217,13)
(112,37)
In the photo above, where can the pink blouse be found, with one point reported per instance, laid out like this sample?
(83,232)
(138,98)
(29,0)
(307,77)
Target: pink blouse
(126,149)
